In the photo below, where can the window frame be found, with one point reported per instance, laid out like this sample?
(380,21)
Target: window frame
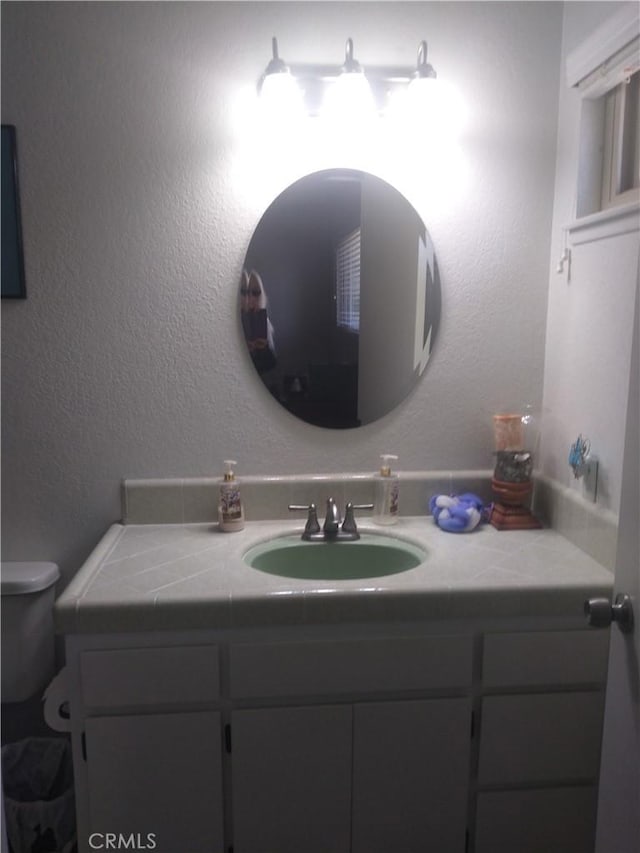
(618,121)
(598,69)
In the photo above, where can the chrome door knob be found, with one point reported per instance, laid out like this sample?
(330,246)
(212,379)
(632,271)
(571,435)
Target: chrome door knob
(601,613)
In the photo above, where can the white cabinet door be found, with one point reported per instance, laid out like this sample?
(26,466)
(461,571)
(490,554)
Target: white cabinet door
(158,774)
(541,738)
(291,779)
(410,776)
(536,820)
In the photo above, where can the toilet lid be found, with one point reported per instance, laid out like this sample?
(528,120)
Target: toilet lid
(21,577)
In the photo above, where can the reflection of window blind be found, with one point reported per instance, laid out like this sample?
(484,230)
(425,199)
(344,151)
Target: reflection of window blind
(348,282)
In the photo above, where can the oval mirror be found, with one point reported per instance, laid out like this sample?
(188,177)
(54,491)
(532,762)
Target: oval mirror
(340,298)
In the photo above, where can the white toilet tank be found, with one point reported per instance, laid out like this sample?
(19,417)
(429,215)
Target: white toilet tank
(28,652)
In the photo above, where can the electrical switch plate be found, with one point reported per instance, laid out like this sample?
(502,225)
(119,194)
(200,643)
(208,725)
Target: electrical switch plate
(590,477)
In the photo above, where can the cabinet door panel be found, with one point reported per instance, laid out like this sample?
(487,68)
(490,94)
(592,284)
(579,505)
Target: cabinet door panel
(149,676)
(553,820)
(160,774)
(410,776)
(348,667)
(536,738)
(291,780)
(545,658)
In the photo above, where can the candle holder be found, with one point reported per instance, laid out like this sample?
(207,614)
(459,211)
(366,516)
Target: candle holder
(511,483)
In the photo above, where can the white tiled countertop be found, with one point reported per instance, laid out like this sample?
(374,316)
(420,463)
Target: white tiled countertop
(145,577)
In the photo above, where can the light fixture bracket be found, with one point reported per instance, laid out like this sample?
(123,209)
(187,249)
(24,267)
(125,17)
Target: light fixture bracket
(423,71)
(351,65)
(276,64)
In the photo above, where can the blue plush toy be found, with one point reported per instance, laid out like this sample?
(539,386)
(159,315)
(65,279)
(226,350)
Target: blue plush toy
(457,513)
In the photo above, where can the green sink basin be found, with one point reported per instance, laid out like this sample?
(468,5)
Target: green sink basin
(371,556)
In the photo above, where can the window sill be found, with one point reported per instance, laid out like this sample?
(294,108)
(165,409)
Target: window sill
(605,223)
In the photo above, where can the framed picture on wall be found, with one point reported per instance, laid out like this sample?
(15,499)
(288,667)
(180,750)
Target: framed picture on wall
(13,285)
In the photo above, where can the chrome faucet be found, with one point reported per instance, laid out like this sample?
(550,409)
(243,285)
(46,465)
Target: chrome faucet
(331,524)
(332,530)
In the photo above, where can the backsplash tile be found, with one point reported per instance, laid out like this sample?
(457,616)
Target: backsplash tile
(153,502)
(267,498)
(200,499)
(585,524)
(417,487)
(478,482)
(183,501)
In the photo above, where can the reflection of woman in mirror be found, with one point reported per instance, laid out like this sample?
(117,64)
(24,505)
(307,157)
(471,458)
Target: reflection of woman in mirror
(257,327)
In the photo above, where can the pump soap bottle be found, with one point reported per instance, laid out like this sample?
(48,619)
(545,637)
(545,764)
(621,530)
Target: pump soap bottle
(230,509)
(387,492)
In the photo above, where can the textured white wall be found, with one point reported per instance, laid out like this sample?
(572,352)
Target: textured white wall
(590,317)
(142,178)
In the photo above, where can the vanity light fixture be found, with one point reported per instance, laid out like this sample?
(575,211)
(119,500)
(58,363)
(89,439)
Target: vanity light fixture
(279,92)
(349,95)
(346,90)
(424,100)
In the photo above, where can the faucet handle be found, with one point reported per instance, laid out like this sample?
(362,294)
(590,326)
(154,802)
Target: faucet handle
(349,523)
(312,525)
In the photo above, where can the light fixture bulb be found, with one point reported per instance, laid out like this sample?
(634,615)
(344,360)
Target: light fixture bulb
(422,93)
(349,97)
(423,101)
(280,95)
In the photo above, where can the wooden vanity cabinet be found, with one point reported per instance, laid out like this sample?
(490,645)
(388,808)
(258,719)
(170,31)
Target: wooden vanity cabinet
(157,776)
(540,735)
(340,740)
(369,778)
(291,779)
(147,745)
(410,775)
(358,775)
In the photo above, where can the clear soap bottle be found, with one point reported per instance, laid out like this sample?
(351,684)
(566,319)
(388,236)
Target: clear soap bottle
(387,493)
(230,509)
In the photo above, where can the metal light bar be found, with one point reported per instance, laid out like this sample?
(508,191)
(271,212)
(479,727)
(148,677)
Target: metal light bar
(314,79)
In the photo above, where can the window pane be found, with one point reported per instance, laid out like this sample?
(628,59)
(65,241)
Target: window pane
(629,168)
(348,282)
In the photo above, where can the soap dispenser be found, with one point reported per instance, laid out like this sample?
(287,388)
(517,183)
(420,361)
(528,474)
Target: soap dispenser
(387,492)
(230,509)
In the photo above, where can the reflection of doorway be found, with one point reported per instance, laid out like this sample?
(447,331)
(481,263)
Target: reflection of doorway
(388,302)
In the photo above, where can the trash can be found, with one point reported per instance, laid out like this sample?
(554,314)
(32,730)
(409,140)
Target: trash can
(37,780)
